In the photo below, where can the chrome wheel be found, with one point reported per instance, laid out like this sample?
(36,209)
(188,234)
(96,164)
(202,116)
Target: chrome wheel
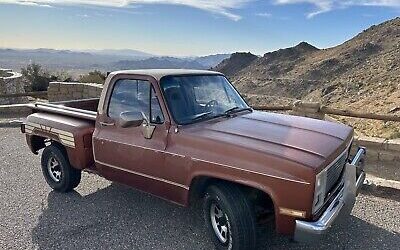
(220,223)
(54,169)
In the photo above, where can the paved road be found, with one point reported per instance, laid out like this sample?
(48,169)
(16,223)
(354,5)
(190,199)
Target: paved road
(105,215)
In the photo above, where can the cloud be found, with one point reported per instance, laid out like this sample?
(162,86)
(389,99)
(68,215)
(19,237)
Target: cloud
(264,14)
(221,7)
(83,15)
(28,3)
(323,6)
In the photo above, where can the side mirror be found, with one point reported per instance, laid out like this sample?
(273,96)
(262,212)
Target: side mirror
(131,119)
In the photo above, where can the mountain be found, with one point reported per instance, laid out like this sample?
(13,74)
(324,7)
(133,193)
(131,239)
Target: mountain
(203,62)
(53,59)
(211,60)
(121,52)
(158,63)
(104,60)
(362,74)
(235,63)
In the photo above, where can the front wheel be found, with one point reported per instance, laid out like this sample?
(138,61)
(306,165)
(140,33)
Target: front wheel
(229,217)
(57,170)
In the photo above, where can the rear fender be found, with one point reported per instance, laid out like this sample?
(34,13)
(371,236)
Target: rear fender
(75,135)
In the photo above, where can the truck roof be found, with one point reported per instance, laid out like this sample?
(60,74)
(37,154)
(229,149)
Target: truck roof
(159,73)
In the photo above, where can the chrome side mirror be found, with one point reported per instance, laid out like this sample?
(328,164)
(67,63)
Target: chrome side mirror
(146,120)
(147,128)
(131,119)
(137,119)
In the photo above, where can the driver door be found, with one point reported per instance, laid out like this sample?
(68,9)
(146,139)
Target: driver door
(132,155)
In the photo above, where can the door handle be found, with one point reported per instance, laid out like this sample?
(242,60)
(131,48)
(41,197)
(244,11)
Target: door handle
(105,124)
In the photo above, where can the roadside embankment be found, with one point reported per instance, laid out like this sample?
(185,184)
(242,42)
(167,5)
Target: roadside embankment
(12,84)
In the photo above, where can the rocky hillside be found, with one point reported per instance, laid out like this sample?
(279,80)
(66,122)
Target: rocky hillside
(235,63)
(361,74)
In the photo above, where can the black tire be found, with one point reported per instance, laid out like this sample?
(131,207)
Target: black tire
(239,214)
(69,177)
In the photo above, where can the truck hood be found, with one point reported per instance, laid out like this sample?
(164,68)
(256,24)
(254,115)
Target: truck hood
(309,142)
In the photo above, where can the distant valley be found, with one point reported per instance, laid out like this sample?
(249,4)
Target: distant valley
(104,60)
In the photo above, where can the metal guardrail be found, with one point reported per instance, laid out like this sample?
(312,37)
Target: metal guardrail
(316,108)
(349,113)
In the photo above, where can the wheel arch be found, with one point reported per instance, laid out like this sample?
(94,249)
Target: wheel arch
(35,143)
(200,183)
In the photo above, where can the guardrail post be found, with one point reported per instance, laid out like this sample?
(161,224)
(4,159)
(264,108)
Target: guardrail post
(308,109)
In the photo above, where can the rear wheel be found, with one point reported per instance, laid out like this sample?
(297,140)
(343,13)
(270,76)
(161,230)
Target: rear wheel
(57,170)
(229,217)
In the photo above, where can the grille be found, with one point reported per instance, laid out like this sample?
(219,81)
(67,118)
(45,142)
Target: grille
(334,173)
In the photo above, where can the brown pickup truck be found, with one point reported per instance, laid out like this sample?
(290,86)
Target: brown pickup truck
(188,135)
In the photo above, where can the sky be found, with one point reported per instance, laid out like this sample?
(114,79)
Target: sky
(187,27)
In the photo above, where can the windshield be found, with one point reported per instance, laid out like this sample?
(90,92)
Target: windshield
(199,97)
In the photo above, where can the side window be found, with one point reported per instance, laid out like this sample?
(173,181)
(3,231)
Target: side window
(128,96)
(156,112)
(143,97)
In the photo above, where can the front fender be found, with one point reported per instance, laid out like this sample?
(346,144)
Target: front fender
(286,195)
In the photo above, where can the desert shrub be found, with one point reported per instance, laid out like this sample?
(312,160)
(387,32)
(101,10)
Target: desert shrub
(93,77)
(63,76)
(38,78)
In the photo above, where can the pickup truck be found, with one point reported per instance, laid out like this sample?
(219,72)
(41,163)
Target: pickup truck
(188,136)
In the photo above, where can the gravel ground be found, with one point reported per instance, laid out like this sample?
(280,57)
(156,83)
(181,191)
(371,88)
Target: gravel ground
(105,215)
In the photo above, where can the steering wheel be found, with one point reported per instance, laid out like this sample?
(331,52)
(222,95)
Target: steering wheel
(211,104)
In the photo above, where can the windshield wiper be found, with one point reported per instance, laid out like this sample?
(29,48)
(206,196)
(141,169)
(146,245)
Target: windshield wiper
(231,110)
(236,109)
(201,116)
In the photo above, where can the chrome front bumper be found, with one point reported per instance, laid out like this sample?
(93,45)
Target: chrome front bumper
(341,205)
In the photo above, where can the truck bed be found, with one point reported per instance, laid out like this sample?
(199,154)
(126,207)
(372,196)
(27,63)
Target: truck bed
(70,123)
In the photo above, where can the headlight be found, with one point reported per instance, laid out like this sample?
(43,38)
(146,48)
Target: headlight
(319,193)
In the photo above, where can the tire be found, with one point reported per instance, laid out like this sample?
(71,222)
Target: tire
(237,216)
(57,170)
